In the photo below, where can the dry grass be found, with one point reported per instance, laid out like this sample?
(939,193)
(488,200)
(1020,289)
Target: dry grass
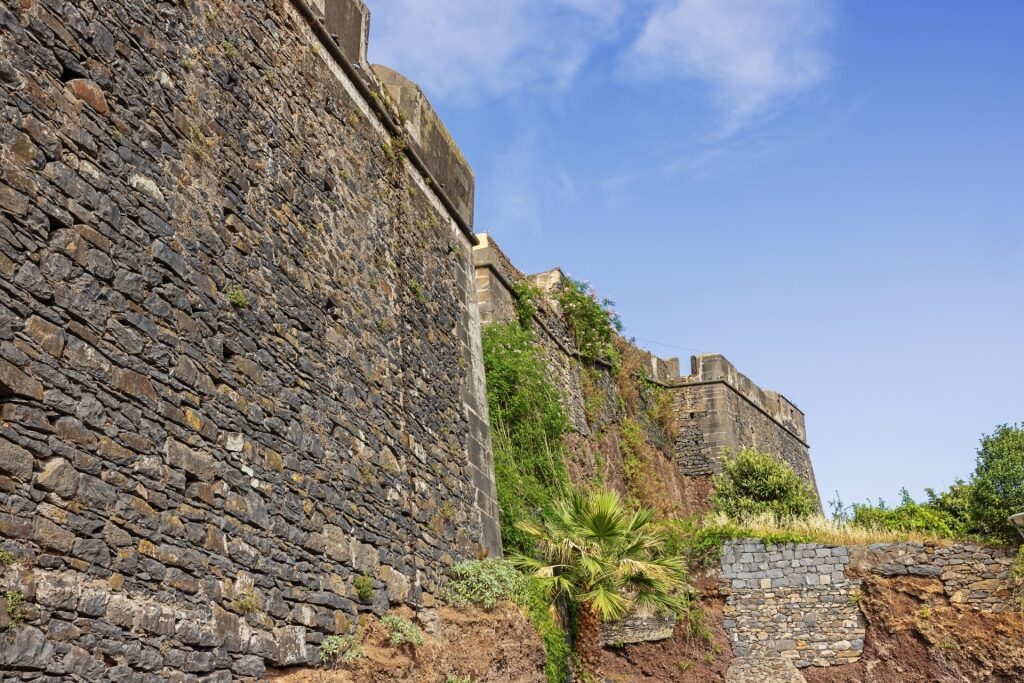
(819,529)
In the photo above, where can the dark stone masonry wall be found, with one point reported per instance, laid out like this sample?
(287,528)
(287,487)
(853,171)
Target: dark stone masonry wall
(239,347)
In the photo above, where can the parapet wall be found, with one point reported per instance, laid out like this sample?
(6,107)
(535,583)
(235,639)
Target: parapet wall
(239,344)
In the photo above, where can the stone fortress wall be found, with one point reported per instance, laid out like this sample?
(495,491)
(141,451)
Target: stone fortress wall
(240,357)
(717,408)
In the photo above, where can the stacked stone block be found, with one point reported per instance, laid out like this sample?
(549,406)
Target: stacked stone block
(791,601)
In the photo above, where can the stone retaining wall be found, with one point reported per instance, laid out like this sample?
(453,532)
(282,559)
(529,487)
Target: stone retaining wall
(799,601)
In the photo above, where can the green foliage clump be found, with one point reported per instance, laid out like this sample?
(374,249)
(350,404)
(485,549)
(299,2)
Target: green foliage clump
(14,605)
(527,426)
(592,321)
(7,558)
(976,509)
(402,630)
(526,294)
(237,297)
(997,487)
(340,648)
(484,583)
(908,516)
(752,483)
(364,587)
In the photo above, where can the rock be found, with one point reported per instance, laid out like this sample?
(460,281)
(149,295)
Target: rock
(58,476)
(49,336)
(15,460)
(26,647)
(89,92)
(14,381)
(289,645)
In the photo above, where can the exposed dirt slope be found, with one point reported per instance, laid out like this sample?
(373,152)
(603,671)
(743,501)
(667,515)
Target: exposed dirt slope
(915,635)
(684,658)
(488,647)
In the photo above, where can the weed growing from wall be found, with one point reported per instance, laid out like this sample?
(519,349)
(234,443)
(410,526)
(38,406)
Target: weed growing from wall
(527,426)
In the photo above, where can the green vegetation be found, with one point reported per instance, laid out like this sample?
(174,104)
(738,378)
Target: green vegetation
(526,294)
(976,509)
(752,483)
(402,630)
(336,649)
(452,678)
(237,296)
(485,583)
(417,291)
(14,604)
(7,558)
(592,321)
(604,559)
(1017,581)
(527,425)
(364,587)
(246,604)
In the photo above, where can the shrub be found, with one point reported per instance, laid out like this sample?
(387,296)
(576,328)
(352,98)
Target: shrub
(592,320)
(7,558)
(997,487)
(340,648)
(752,482)
(237,297)
(402,630)
(527,426)
(364,587)
(526,294)
(908,516)
(14,605)
(603,558)
(485,583)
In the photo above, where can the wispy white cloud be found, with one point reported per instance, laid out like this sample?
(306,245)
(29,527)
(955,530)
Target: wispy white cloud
(469,49)
(754,54)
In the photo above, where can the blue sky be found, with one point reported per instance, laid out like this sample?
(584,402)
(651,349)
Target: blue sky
(831,194)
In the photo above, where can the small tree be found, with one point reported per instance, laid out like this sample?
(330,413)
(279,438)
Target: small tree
(997,487)
(752,482)
(603,558)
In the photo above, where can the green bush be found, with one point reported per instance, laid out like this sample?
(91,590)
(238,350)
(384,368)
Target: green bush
(592,320)
(752,483)
(977,509)
(997,487)
(909,516)
(527,426)
(402,630)
(340,648)
(485,583)
(364,587)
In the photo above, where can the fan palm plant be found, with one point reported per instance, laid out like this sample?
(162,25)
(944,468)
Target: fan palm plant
(604,558)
